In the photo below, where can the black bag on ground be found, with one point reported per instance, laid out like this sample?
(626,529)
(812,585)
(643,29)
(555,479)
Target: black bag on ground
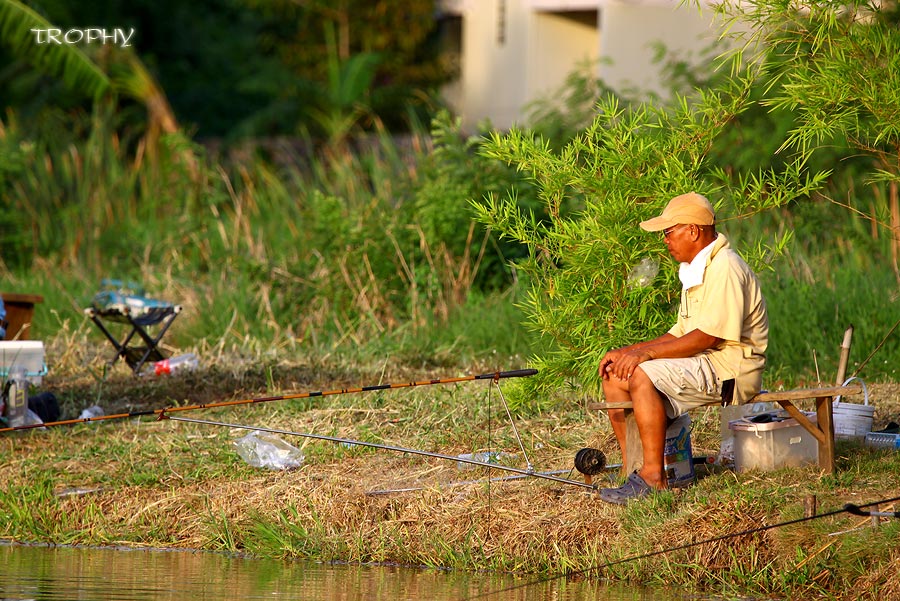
(45,406)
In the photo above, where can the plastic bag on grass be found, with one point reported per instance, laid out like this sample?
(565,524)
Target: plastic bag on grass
(261,449)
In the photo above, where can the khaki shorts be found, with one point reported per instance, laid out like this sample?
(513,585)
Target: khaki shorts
(687,383)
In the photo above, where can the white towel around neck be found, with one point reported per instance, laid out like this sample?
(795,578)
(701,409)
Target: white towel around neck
(691,274)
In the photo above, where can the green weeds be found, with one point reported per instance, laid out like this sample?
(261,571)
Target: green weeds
(363,267)
(188,488)
(220,530)
(363,256)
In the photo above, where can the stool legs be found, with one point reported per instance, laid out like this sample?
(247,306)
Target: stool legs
(136,357)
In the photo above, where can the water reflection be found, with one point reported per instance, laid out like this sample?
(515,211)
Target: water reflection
(51,573)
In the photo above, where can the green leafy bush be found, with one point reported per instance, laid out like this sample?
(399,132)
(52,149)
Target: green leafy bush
(621,170)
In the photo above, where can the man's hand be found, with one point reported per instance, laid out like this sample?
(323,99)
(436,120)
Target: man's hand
(607,362)
(621,362)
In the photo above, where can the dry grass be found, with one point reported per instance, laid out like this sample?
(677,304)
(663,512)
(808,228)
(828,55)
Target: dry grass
(172,484)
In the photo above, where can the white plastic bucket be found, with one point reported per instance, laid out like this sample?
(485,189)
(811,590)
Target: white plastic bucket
(852,420)
(678,461)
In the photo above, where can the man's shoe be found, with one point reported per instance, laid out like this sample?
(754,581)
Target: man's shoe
(635,487)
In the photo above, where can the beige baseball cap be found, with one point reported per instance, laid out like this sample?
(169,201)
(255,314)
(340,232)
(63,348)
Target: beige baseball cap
(686,208)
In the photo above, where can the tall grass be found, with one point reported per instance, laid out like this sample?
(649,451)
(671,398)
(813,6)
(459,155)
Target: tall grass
(836,273)
(337,251)
(365,251)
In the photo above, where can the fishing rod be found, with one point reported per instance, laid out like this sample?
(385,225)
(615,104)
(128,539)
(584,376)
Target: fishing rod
(854,509)
(515,373)
(375,445)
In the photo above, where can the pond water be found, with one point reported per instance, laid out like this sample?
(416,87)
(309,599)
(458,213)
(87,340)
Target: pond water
(92,574)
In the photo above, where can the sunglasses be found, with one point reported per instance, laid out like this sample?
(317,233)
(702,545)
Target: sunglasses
(668,232)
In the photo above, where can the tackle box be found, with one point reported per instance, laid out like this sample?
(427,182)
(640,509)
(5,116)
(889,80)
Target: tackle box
(23,353)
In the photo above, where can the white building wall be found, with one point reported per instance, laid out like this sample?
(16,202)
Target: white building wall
(494,65)
(514,52)
(630,31)
(558,43)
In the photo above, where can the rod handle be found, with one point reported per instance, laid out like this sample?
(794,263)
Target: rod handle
(515,373)
(857,510)
(854,509)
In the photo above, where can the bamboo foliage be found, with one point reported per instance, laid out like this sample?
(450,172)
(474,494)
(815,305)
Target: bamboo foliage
(839,69)
(584,298)
(837,66)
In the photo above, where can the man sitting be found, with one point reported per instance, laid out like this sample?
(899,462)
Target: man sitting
(716,348)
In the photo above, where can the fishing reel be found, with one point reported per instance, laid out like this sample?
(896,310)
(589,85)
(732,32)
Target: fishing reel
(590,462)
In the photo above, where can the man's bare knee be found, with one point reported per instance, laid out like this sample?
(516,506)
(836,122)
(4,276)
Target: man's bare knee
(640,379)
(614,385)
(644,394)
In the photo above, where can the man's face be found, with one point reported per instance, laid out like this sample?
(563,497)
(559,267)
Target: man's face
(678,240)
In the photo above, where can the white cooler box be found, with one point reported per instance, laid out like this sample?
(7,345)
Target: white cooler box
(23,353)
(773,445)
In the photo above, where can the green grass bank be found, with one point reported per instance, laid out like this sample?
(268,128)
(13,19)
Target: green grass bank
(146,483)
(362,265)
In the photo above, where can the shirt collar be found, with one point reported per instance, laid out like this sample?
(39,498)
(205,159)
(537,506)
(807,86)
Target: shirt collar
(691,274)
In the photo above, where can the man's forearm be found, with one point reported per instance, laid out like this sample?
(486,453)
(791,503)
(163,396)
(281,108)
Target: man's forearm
(648,343)
(670,347)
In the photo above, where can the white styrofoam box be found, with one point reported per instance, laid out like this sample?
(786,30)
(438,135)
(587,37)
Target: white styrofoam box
(773,445)
(23,353)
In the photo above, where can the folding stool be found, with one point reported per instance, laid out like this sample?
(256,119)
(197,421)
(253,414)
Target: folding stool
(128,305)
